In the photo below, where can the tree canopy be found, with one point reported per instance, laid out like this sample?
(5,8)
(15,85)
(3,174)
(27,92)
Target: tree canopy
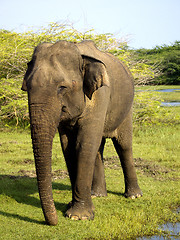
(168,60)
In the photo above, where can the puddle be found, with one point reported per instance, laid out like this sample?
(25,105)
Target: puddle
(161,90)
(173,229)
(170,104)
(168,90)
(166,104)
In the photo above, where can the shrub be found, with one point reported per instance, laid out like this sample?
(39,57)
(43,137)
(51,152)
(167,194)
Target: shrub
(148,110)
(13,104)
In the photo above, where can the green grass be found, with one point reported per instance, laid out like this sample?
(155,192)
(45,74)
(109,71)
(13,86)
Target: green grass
(156,154)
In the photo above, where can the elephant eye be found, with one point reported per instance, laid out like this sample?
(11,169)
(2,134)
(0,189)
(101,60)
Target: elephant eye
(61,89)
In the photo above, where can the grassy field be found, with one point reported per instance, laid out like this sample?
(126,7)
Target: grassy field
(156,154)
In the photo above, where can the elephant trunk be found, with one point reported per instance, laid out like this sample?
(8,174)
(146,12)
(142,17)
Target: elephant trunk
(42,134)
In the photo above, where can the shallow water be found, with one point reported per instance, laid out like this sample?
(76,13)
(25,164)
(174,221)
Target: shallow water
(168,90)
(173,234)
(170,104)
(172,228)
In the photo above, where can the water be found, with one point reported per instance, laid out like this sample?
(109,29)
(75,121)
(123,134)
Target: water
(170,104)
(168,90)
(173,229)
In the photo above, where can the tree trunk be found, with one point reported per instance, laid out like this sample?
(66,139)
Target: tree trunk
(42,133)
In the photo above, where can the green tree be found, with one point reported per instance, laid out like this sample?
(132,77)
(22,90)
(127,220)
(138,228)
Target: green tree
(165,60)
(171,67)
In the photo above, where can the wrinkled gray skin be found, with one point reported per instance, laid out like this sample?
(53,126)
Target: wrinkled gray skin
(88,96)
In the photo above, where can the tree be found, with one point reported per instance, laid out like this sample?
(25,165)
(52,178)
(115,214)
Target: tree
(165,61)
(171,67)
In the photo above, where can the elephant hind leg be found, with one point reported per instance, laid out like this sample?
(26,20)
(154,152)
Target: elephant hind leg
(123,145)
(99,184)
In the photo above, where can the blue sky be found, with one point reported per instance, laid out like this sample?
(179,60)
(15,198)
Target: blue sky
(145,23)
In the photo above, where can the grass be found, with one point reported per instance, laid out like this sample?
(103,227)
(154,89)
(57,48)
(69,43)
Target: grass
(156,154)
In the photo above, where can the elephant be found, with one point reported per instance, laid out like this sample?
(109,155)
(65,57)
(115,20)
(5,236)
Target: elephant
(87,95)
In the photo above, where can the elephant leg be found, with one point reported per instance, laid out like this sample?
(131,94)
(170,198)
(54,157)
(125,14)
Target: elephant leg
(89,137)
(99,184)
(87,149)
(123,146)
(68,144)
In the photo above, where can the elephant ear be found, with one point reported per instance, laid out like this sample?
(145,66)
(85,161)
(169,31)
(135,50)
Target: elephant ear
(88,48)
(94,69)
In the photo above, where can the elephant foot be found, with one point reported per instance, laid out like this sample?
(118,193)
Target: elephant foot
(132,189)
(133,194)
(98,193)
(78,211)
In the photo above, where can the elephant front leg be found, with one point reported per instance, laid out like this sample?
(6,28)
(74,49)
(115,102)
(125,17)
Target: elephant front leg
(68,144)
(99,184)
(89,137)
(88,143)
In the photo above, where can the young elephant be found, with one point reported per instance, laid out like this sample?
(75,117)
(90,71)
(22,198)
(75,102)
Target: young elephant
(87,94)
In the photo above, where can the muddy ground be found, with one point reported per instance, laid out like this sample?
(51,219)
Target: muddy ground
(143,167)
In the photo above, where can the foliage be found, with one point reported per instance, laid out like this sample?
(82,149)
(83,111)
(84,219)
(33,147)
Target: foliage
(171,68)
(13,103)
(142,71)
(167,58)
(148,110)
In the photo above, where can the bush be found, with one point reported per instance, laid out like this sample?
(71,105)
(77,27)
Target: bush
(13,103)
(148,110)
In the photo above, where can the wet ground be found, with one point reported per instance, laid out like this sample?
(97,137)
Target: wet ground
(171,231)
(170,104)
(168,90)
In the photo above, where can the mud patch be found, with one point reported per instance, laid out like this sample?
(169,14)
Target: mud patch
(26,173)
(58,174)
(144,167)
(112,162)
(28,161)
(154,170)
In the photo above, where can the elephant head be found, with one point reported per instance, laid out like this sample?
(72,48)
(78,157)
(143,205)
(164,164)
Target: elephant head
(59,79)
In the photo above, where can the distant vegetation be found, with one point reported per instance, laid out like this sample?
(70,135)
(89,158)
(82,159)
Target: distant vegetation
(160,65)
(167,58)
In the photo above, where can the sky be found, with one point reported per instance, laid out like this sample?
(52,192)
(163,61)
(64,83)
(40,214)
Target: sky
(144,23)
